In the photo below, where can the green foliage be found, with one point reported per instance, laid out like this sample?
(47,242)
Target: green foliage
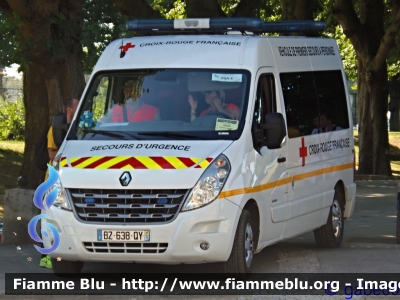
(12,120)
(102,23)
(347,52)
(163,6)
(335,31)
(393,62)
(178,11)
(9,49)
(228,6)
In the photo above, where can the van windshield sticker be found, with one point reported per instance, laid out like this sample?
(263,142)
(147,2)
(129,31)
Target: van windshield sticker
(226,124)
(306,51)
(226,77)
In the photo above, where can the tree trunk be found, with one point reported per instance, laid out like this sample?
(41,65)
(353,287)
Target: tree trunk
(248,8)
(372,40)
(37,121)
(372,116)
(296,10)
(44,93)
(49,36)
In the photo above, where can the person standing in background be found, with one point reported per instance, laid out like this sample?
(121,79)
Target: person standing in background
(70,106)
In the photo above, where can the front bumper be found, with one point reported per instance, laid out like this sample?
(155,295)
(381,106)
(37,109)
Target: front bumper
(174,242)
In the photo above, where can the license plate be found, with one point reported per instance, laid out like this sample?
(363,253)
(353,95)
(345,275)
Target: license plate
(124,235)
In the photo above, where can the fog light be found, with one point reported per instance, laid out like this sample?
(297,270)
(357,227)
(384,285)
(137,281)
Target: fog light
(204,246)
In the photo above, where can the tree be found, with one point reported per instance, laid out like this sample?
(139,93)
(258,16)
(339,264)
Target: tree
(47,36)
(138,9)
(372,43)
(203,9)
(297,10)
(102,22)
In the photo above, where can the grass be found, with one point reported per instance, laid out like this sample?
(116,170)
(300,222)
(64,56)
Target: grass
(11,156)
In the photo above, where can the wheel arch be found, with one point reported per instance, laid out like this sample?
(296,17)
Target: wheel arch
(341,187)
(252,207)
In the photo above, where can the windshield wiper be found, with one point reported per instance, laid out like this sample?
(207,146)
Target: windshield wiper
(120,134)
(105,132)
(170,134)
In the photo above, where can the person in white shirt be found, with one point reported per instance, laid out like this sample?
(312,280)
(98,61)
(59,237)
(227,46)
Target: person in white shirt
(325,123)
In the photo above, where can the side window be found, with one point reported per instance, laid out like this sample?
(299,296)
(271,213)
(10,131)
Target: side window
(315,102)
(301,103)
(265,102)
(331,100)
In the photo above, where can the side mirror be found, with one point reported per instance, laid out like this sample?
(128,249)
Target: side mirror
(275,130)
(60,128)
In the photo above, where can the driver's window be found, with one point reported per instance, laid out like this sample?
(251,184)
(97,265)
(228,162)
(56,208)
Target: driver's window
(265,101)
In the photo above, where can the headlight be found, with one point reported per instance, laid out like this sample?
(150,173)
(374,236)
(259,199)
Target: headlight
(62,200)
(56,161)
(209,185)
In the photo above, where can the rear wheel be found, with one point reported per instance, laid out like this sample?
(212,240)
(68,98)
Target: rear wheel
(66,267)
(243,247)
(331,234)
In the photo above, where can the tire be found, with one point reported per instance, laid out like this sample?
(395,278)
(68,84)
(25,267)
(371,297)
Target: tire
(398,227)
(66,267)
(242,254)
(331,234)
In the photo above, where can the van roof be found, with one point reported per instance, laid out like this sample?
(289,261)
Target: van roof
(215,51)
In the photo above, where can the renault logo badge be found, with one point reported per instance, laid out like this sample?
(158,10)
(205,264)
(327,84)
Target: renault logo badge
(125,178)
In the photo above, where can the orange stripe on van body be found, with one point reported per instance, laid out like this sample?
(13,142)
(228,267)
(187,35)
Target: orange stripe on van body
(283,181)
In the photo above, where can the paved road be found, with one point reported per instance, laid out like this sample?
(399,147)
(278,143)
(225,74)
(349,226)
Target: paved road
(369,246)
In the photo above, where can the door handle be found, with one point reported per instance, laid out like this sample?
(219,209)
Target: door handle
(281,159)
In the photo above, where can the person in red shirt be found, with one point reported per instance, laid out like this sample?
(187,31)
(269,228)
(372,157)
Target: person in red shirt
(133,109)
(216,100)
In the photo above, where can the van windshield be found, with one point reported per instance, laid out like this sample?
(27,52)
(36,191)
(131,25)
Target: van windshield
(204,104)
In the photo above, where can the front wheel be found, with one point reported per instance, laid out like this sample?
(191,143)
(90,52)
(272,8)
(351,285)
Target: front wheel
(66,267)
(243,247)
(331,234)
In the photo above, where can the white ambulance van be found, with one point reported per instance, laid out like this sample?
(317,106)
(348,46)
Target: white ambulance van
(197,146)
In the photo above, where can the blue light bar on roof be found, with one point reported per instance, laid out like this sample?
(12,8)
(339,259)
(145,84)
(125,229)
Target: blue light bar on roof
(251,24)
(224,24)
(293,26)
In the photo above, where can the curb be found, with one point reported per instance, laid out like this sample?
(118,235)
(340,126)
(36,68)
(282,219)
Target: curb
(375,177)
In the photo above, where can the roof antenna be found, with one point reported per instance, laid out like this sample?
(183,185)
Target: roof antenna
(122,54)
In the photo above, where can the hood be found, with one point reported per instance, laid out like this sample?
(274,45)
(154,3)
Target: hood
(151,164)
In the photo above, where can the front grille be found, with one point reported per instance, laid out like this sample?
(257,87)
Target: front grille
(127,206)
(101,247)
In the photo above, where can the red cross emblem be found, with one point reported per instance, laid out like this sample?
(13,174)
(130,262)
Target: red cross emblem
(303,151)
(126,47)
